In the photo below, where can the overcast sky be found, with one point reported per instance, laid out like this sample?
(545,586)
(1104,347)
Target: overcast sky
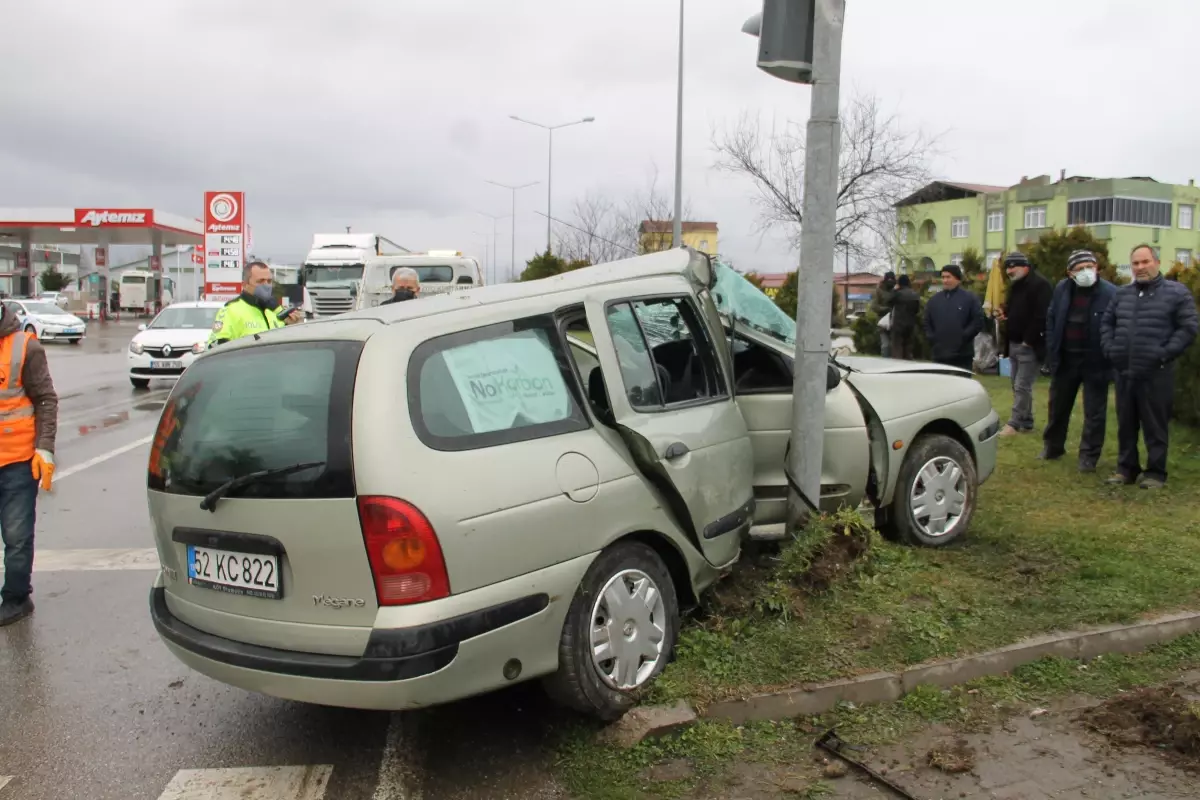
(388,115)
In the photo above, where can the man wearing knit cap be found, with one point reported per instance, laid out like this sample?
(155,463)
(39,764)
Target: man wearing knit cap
(1147,326)
(953,318)
(1025,336)
(1075,359)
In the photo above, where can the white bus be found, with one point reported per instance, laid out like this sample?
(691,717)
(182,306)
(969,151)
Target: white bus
(138,288)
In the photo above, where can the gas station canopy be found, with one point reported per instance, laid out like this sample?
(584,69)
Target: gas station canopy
(99,226)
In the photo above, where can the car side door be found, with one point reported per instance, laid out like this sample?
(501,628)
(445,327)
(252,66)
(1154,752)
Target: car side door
(673,404)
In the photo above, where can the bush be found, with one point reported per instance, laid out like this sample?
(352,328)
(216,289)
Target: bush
(546,265)
(52,280)
(866,331)
(1050,252)
(1187,371)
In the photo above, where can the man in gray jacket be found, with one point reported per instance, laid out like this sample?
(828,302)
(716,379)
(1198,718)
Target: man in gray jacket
(1147,326)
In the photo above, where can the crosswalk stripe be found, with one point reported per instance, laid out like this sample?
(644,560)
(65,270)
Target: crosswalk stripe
(250,783)
(98,559)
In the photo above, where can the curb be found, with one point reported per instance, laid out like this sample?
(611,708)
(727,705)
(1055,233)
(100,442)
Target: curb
(885,687)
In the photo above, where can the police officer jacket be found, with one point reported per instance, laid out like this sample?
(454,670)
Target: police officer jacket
(242,316)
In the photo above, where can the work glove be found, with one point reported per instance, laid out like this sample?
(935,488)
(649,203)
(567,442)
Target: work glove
(43,468)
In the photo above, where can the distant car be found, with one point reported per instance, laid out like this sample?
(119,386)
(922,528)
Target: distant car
(59,299)
(47,320)
(168,345)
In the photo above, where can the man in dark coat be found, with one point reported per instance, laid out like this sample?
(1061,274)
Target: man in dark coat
(953,318)
(1025,339)
(881,304)
(906,308)
(1075,359)
(1147,326)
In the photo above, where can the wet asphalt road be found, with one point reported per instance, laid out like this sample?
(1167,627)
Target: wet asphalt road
(93,706)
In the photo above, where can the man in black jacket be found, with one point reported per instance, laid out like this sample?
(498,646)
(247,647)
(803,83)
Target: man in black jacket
(1147,326)
(406,285)
(1075,359)
(1025,315)
(881,304)
(953,318)
(906,308)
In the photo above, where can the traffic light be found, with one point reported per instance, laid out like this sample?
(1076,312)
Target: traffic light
(785,38)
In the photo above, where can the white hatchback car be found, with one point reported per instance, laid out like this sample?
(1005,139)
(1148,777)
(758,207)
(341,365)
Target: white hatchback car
(47,321)
(166,347)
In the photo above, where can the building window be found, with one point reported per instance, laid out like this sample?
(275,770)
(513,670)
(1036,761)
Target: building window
(992,257)
(995,221)
(1185,217)
(956,259)
(928,232)
(1121,210)
(1184,257)
(960,228)
(704,245)
(904,233)
(1035,216)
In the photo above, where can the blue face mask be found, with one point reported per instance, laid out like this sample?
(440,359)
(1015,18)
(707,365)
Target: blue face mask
(265,295)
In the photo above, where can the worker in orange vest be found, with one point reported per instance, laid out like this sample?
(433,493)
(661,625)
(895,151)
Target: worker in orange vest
(28,424)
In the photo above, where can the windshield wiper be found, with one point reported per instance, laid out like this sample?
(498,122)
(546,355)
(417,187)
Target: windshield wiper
(209,503)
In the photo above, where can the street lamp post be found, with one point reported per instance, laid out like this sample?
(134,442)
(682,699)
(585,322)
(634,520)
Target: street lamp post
(514,189)
(550,129)
(677,226)
(495,219)
(801,41)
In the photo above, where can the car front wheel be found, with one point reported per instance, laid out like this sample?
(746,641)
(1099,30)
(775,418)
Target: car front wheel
(31,329)
(935,494)
(619,633)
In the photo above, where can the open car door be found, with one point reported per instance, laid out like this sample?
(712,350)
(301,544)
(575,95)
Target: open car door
(671,400)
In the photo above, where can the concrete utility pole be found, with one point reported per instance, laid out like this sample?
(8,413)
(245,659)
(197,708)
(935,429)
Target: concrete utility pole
(677,226)
(785,57)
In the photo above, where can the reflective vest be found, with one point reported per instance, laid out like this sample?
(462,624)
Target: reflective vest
(239,318)
(18,426)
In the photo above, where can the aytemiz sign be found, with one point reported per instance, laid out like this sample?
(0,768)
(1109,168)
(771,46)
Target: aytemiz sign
(114,217)
(224,244)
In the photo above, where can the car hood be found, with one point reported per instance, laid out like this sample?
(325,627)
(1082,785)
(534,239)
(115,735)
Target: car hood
(181,338)
(891,366)
(57,319)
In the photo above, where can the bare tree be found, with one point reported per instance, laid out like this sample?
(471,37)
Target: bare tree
(600,229)
(881,163)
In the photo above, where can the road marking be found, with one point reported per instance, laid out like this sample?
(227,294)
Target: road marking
(88,560)
(149,397)
(397,778)
(249,783)
(100,459)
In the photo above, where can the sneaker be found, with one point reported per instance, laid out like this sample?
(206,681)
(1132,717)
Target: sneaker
(15,612)
(1087,465)
(1148,482)
(1008,430)
(1046,455)
(1119,479)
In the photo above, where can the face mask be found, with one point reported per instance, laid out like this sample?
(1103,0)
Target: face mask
(403,293)
(265,295)
(1084,278)
(1015,276)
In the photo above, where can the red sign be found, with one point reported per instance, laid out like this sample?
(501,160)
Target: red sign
(224,212)
(114,217)
(222,291)
(155,264)
(101,256)
(197,255)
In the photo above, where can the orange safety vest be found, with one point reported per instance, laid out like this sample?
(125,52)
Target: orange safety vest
(18,427)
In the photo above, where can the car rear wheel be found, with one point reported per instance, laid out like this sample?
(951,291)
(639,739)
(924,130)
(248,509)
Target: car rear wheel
(935,494)
(140,383)
(31,329)
(619,633)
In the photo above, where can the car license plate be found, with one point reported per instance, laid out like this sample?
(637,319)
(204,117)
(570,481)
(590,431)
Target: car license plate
(70,330)
(251,574)
(166,365)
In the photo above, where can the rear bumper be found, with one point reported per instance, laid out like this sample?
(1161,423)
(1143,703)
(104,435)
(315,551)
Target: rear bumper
(440,661)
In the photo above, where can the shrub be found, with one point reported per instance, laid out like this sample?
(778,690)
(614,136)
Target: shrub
(1187,371)
(1050,252)
(52,280)
(866,330)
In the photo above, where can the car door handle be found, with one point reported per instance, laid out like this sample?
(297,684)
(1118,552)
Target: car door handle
(676,450)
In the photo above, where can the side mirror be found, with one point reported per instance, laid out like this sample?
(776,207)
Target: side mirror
(833,377)
(142,327)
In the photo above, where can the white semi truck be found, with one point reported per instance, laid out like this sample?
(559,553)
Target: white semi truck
(351,271)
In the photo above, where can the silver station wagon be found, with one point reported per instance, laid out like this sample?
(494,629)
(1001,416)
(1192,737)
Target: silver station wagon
(416,503)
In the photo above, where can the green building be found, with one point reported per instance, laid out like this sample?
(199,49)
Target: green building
(938,223)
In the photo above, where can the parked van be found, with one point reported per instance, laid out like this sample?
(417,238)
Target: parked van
(424,501)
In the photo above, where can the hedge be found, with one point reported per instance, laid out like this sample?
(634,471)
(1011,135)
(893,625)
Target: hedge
(1187,371)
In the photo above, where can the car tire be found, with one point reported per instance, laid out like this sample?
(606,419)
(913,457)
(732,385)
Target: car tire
(33,330)
(140,383)
(936,456)
(579,683)
(74,341)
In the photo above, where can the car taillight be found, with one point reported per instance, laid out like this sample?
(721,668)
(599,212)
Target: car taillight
(406,558)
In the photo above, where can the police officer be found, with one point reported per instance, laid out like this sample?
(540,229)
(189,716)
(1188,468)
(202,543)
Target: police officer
(253,311)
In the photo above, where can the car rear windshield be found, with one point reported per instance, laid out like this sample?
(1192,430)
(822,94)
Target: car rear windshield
(260,408)
(431,274)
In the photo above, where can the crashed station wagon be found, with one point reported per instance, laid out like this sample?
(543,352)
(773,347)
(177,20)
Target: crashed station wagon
(411,504)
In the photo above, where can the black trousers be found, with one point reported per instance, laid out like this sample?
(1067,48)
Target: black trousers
(1144,405)
(1064,388)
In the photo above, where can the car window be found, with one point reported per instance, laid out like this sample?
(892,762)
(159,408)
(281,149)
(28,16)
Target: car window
(494,385)
(179,318)
(42,308)
(14,308)
(259,408)
(664,352)
(740,300)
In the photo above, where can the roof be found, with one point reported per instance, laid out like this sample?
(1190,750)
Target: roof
(865,278)
(771,280)
(88,225)
(667,226)
(947,190)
